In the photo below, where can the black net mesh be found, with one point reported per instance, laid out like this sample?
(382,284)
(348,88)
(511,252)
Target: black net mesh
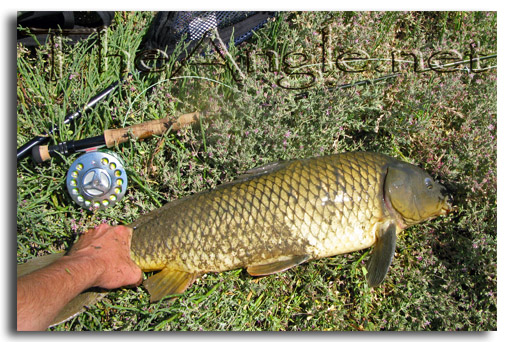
(169,28)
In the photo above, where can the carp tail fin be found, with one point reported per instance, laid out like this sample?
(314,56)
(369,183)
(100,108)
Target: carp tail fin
(37,263)
(78,304)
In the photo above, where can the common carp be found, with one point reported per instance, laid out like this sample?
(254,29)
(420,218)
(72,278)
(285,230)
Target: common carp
(278,216)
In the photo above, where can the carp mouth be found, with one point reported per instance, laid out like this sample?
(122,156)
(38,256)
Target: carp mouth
(447,201)
(447,205)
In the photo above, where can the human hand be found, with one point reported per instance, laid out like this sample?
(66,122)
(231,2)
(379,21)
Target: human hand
(109,249)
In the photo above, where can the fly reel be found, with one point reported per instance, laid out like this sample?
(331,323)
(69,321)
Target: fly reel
(97,180)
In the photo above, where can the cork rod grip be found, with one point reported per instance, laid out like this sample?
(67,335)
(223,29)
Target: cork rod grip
(40,153)
(147,129)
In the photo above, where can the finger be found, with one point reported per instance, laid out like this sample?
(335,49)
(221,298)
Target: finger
(96,230)
(102,226)
(140,278)
(125,232)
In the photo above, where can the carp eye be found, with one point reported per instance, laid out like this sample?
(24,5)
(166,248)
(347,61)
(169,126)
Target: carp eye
(429,184)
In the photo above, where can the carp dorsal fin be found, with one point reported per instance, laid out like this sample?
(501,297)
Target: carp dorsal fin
(277,266)
(259,171)
(382,256)
(168,282)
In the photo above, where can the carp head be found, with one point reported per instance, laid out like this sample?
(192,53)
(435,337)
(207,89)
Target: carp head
(414,194)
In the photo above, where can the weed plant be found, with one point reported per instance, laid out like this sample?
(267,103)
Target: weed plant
(444,273)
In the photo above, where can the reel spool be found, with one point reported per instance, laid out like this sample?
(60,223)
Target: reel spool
(97,180)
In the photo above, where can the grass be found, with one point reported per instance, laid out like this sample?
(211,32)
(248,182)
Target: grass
(443,276)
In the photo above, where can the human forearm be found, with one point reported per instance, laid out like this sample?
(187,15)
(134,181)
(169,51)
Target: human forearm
(42,294)
(101,258)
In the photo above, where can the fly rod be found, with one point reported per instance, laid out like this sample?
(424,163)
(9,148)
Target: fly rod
(26,149)
(112,137)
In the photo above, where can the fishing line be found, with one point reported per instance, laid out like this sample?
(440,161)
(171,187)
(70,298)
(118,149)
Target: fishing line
(166,32)
(42,153)
(171,79)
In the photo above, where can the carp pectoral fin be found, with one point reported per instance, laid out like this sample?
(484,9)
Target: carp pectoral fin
(277,266)
(382,256)
(168,282)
